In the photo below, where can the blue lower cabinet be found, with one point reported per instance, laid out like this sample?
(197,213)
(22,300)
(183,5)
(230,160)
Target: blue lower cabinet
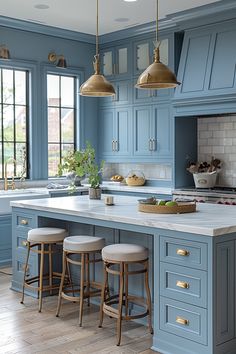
(5,241)
(184,284)
(183,320)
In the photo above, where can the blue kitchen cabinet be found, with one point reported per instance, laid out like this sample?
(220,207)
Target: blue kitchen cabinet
(123,95)
(144,96)
(115,61)
(153,131)
(5,240)
(208,62)
(115,133)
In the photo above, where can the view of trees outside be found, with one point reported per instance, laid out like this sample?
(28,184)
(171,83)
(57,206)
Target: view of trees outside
(61,119)
(13,122)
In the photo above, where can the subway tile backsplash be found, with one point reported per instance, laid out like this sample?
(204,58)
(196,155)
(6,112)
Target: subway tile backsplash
(217,137)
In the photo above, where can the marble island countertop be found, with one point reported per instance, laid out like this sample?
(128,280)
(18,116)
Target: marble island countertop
(210,219)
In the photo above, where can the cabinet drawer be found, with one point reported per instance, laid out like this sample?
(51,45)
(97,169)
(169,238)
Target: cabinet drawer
(184,284)
(183,320)
(188,253)
(24,221)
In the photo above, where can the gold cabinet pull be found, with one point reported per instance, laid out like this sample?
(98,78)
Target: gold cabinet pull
(24,222)
(183,253)
(24,243)
(182,284)
(182,321)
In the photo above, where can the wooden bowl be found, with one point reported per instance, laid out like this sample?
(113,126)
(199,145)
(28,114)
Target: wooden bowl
(188,207)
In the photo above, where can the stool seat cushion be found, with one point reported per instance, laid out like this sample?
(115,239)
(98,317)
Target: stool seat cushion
(47,234)
(124,252)
(83,243)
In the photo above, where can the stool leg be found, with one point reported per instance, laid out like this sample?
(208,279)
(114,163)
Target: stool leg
(67,269)
(41,276)
(81,289)
(50,266)
(119,320)
(87,277)
(25,272)
(149,301)
(64,266)
(104,287)
(126,289)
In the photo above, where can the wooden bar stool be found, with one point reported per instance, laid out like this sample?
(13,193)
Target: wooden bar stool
(84,247)
(122,256)
(41,241)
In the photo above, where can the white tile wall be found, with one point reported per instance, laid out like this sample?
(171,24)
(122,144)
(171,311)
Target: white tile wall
(217,137)
(151,171)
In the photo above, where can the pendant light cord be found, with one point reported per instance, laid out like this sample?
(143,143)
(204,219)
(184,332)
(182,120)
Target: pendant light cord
(157,34)
(97,32)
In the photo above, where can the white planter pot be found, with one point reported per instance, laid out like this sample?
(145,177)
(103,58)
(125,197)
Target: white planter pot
(204,179)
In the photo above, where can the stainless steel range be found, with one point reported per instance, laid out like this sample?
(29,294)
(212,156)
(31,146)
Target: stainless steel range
(216,195)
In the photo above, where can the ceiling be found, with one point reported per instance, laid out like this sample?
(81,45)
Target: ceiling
(80,15)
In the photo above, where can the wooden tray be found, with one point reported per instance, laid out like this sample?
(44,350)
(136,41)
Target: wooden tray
(162,209)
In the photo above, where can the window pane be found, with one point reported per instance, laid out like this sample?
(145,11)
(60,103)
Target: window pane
(67,125)
(20,87)
(1,137)
(0,86)
(8,123)
(67,91)
(1,162)
(7,86)
(66,148)
(21,166)
(53,159)
(20,122)
(53,90)
(8,151)
(53,125)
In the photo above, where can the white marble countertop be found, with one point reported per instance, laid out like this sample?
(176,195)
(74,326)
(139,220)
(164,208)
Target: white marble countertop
(210,219)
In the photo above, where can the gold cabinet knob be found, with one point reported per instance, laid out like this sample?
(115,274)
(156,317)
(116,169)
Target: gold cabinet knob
(182,321)
(24,222)
(24,243)
(182,284)
(182,252)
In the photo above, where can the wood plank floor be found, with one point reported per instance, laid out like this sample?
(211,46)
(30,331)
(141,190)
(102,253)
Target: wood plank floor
(23,330)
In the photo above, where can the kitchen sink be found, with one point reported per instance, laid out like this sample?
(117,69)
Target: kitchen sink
(16,194)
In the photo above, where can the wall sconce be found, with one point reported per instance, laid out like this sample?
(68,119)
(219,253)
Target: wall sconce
(53,57)
(4,52)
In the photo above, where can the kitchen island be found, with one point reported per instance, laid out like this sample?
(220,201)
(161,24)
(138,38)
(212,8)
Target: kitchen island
(192,255)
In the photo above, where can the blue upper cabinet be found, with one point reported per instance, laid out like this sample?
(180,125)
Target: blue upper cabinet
(115,61)
(208,62)
(153,132)
(115,140)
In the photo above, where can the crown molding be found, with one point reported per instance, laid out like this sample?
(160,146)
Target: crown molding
(46,30)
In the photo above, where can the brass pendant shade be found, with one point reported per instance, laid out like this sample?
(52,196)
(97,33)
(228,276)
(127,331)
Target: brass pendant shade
(97,85)
(157,75)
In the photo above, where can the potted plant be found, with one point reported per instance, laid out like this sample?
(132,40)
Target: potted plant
(83,163)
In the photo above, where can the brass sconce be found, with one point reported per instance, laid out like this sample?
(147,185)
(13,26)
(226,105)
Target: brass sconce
(53,57)
(4,52)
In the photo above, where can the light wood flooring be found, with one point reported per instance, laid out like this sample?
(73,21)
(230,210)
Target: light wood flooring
(23,330)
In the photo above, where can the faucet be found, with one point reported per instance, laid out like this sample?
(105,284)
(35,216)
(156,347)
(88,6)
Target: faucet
(6,183)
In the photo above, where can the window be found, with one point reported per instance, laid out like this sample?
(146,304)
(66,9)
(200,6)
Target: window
(13,122)
(61,119)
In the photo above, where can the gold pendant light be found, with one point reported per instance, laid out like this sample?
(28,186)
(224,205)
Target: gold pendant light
(157,75)
(97,85)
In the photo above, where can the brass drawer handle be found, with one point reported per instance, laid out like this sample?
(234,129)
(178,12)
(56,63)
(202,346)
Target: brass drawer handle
(24,243)
(183,253)
(24,222)
(182,321)
(182,284)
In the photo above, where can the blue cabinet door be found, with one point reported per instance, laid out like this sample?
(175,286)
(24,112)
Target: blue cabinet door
(106,132)
(162,133)
(143,123)
(115,61)
(123,138)
(5,240)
